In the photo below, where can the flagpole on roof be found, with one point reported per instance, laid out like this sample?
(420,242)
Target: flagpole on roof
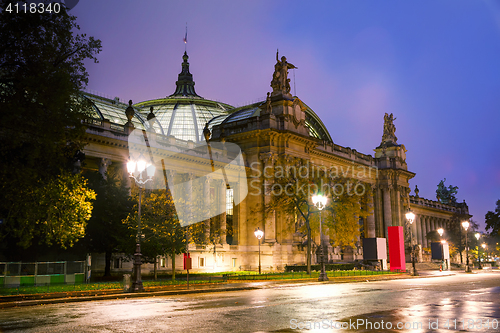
(186,38)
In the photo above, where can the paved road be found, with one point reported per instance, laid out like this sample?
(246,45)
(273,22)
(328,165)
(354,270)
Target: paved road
(416,303)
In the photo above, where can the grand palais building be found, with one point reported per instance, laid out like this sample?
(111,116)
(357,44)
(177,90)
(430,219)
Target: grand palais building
(281,130)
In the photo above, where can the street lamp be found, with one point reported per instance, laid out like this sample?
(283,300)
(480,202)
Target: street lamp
(465,224)
(440,232)
(478,235)
(410,216)
(136,170)
(320,202)
(484,251)
(259,234)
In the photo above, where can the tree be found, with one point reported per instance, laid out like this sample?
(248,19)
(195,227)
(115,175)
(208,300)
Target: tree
(41,129)
(346,208)
(291,193)
(161,230)
(492,220)
(456,233)
(63,208)
(105,230)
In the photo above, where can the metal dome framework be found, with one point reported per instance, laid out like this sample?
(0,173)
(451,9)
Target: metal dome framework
(313,123)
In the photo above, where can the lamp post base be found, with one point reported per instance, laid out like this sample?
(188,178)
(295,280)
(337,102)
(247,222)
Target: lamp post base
(413,271)
(322,274)
(136,285)
(323,277)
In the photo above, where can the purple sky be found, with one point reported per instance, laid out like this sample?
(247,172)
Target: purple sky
(434,64)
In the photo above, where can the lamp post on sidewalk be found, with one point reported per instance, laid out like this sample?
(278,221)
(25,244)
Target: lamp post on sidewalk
(440,232)
(484,250)
(136,168)
(410,216)
(465,224)
(478,235)
(259,234)
(320,202)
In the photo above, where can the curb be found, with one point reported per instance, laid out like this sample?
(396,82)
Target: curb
(121,295)
(118,294)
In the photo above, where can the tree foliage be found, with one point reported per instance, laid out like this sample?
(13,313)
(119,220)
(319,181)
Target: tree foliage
(63,208)
(105,230)
(161,231)
(492,220)
(41,74)
(291,194)
(346,208)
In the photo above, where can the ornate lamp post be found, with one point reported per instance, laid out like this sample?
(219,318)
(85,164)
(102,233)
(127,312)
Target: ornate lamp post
(440,232)
(136,169)
(320,202)
(484,250)
(465,224)
(410,216)
(478,235)
(259,234)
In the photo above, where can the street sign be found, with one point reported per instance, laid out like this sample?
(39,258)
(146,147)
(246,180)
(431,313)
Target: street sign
(187,261)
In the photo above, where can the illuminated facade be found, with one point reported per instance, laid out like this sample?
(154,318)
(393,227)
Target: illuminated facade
(279,131)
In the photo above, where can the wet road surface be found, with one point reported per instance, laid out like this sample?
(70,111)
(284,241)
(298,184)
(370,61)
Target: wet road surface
(437,304)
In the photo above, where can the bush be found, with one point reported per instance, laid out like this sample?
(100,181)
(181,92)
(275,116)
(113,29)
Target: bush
(328,267)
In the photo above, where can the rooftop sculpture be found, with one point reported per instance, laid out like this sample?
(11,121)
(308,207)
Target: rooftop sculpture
(281,82)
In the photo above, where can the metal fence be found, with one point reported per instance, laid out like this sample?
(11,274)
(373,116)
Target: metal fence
(36,273)
(41,268)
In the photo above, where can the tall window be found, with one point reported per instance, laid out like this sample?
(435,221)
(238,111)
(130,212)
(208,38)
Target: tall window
(229,201)
(229,215)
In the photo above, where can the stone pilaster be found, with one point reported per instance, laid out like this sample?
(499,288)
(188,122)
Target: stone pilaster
(170,184)
(268,160)
(207,205)
(222,202)
(379,217)
(370,220)
(387,209)
(418,225)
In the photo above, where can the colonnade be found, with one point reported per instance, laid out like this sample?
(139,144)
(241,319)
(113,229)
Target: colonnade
(424,224)
(213,196)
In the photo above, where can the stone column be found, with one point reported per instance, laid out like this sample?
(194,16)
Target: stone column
(207,206)
(397,206)
(387,209)
(239,214)
(424,231)
(429,229)
(379,212)
(222,202)
(170,174)
(370,220)
(418,226)
(126,179)
(268,160)
(189,198)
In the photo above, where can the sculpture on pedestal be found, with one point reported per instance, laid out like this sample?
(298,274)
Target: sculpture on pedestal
(389,129)
(281,82)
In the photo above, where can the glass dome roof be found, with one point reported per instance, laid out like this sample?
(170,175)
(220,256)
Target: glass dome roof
(315,126)
(184,118)
(184,113)
(113,110)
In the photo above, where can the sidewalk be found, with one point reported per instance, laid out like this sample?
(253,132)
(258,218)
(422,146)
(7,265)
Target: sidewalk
(98,295)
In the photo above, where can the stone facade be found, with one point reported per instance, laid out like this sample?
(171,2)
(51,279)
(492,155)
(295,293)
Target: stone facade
(276,132)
